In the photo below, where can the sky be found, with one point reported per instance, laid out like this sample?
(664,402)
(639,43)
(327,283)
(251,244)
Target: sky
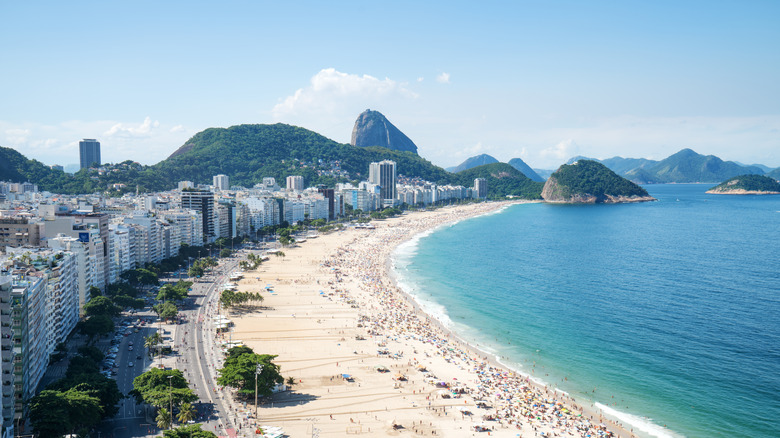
(537,80)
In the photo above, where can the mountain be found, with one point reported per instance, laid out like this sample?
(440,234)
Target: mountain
(544,173)
(15,167)
(247,153)
(576,158)
(766,169)
(502,180)
(775,174)
(473,162)
(590,182)
(520,165)
(747,185)
(621,165)
(373,129)
(687,166)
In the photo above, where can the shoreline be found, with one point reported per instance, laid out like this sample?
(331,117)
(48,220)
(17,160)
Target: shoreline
(361,276)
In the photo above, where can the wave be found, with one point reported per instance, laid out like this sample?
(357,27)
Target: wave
(636,422)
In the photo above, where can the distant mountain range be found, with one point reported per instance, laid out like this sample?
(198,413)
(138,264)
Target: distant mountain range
(686,166)
(482,159)
(474,161)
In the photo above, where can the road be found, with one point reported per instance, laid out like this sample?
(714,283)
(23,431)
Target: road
(195,353)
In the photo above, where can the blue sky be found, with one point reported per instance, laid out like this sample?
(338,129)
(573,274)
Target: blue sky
(539,80)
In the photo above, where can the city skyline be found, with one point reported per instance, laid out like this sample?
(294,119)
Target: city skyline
(542,82)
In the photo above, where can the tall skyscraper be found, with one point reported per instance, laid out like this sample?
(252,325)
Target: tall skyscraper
(383,175)
(89,152)
(295,182)
(201,201)
(480,187)
(221,182)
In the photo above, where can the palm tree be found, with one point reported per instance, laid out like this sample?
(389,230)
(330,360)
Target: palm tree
(163,419)
(186,413)
(152,340)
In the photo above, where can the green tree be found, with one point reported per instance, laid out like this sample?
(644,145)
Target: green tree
(101,306)
(163,419)
(55,413)
(188,431)
(154,388)
(140,277)
(195,271)
(152,341)
(128,301)
(94,292)
(102,387)
(96,326)
(166,310)
(186,413)
(239,372)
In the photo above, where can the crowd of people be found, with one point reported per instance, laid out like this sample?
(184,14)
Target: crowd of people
(508,399)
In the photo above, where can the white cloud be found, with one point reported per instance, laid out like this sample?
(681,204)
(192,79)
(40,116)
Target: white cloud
(420,79)
(333,99)
(17,135)
(561,151)
(127,130)
(147,142)
(443,78)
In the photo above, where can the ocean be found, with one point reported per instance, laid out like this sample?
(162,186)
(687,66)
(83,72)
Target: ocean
(666,315)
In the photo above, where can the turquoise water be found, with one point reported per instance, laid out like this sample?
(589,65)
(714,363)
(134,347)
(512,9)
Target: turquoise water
(663,313)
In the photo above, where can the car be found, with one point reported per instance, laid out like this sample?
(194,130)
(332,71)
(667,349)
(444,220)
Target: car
(130,343)
(129,364)
(139,357)
(130,348)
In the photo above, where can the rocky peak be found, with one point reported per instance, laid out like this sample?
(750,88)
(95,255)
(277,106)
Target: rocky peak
(373,129)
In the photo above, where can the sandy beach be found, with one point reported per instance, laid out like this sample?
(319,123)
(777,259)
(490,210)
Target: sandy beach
(367,361)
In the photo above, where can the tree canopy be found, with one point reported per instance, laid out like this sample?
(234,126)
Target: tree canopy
(153,387)
(56,413)
(239,372)
(188,431)
(101,306)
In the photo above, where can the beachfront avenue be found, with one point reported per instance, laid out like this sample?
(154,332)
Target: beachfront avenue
(194,351)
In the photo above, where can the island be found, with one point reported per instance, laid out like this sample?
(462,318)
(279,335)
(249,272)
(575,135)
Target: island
(747,185)
(590,182)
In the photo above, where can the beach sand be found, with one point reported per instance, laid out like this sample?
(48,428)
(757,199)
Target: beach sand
(335,311)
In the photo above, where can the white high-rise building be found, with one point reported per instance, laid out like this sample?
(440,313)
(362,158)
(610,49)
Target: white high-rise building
(221,182)
(480,187)
(383,175)
(120,258)
(295,183)
(148,245)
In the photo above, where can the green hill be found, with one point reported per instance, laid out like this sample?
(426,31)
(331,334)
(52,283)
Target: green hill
(588,181)
(472,162)
(687,166)
(247,153)
(747,185)
(502,180)
(526,170)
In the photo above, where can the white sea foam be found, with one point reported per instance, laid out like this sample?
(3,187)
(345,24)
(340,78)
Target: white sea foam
(635,422)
